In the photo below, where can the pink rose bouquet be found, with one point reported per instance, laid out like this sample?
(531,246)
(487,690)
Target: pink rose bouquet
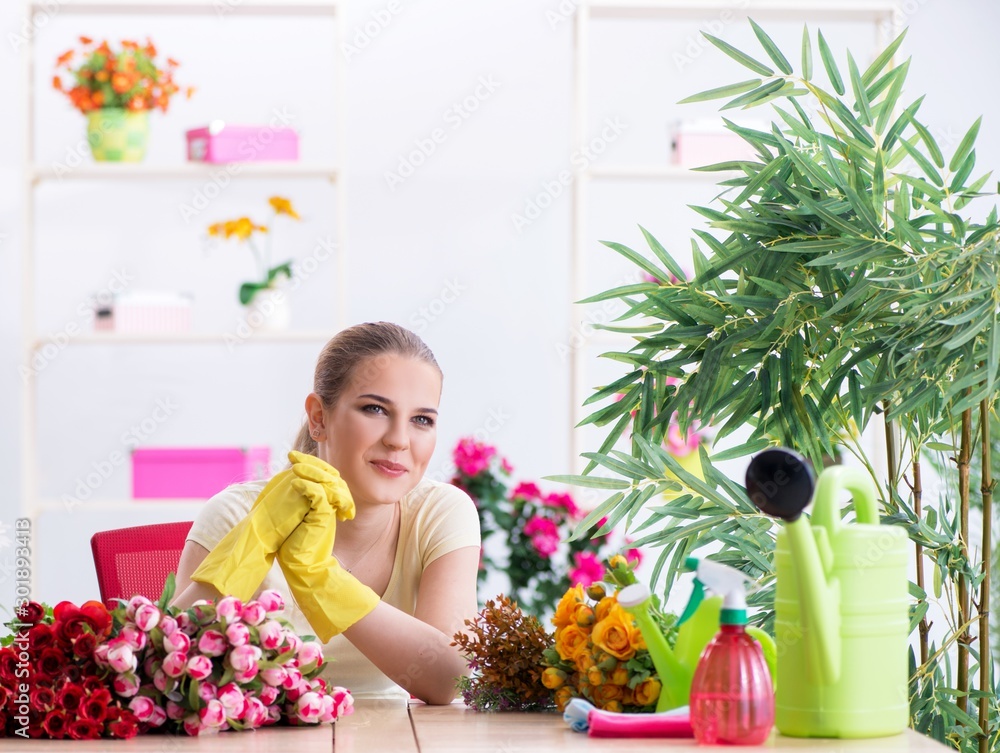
(213,667)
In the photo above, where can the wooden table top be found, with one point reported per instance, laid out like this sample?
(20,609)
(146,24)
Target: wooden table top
(393,726)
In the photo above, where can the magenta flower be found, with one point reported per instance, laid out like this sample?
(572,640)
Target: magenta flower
(199,667)
(588,570)
(506,466)
(527,491)
(544,535)
(680,444)
(634,556)
(212,643)
(565,501)
(472,457)
(253,613)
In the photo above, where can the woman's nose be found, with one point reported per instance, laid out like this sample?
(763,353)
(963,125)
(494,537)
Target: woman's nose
(396,436)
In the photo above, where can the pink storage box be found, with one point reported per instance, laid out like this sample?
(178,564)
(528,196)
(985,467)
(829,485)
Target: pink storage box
(145,312)
(697,143)
(194,473)
(220,143)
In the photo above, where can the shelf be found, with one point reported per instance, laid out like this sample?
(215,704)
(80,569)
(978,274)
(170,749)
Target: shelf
(185,506)
(655,172)
(190,338)
(132,171)
(220,8)
(844,9)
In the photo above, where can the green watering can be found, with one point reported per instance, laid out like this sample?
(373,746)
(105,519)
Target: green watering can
(841,604)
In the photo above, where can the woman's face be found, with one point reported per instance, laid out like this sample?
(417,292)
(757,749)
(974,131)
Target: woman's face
(381,433)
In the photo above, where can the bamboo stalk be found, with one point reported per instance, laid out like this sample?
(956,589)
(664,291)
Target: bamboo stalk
(985,653)
(918,492)
(964,638)
(890,449)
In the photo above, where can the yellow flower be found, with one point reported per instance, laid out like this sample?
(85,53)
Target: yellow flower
(217,229)
(617,560)
(583,661)
(567,606)
(283,206)
(553,678)
(606,694)
(563,696)
(604,606)
(615,634)
(594,676)
(571,641)
(583,615)
(596,591)
(619,676)
(647,692)
(612,706)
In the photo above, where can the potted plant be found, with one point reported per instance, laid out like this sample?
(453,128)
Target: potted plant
(116,90)
(838,281)
(267,303)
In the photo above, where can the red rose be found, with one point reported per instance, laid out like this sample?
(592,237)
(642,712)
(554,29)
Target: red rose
(5,697)
(92,683)
(8,666)
(94,707)
(84,729)
(64,610)
(71,628)
(55,725)
(51,662)
(70,698)
(97,616)
(84,645)
(40,636)
(125,727)
(72,673)
(30,613)
(42,699)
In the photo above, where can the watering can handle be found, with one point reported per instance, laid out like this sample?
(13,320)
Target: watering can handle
(826,510)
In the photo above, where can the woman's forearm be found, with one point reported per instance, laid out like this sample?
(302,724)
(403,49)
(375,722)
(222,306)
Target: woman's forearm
(192,593)
(416,656)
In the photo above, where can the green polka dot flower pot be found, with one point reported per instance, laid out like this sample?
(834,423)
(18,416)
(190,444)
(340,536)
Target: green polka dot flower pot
(118,135)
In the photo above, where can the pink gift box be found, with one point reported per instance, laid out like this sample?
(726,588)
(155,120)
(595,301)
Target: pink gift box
(193,472)
(698,143)
(219,143)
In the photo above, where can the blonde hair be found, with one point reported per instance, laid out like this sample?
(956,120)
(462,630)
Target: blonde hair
(349,349)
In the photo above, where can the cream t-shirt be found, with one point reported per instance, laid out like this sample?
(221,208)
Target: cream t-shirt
(435,518)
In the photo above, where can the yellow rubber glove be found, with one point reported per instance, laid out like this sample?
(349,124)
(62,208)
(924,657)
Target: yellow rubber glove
(330,597)
(239,563)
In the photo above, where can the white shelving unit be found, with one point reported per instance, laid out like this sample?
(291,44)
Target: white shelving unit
(36,175)
(881,13)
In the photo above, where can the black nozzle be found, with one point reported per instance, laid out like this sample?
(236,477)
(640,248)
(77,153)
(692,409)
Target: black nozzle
(780,483)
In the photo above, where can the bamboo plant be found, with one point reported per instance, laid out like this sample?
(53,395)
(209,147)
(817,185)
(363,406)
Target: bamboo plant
(837,286)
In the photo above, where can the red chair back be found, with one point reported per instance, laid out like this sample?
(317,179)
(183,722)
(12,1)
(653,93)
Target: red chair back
(136,561)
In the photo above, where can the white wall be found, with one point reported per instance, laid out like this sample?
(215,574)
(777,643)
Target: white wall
(449,225)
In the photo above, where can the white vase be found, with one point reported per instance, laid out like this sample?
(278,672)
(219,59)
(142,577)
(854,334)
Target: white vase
(269,311)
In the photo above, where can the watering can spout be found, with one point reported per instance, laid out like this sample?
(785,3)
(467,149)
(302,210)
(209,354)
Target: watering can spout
(780,483)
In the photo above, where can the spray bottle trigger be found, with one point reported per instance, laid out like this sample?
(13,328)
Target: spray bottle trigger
(697,596)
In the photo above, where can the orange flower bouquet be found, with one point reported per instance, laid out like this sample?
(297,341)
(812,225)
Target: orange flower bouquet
(599,653)
(116,89)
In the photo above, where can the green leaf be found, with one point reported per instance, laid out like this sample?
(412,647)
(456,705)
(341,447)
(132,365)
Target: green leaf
(591,482)
(807,56)
(638,259)
(169,586)
(722,91)
(831,65)
(770,48)
(740,451)
(882,60)
(860,95)
(758,94)
(965,146)
(929,142)
(740,57)
(661,253)
(923,162)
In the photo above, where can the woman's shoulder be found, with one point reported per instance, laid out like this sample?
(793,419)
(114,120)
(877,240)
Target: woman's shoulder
(223,511)
(436,494)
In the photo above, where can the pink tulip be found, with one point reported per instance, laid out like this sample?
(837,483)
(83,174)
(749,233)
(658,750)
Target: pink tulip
(142,706)
(256,715)
(176,641)
(159,716)
(212,643)
(272,601)
(309,707)
(274,676)
(292,641)
(329,712)
(310,652)
(175,663)
(147,617)
(175,711)
(207,691)
(244,677)
(133,636)
(253,613)
(185,623)
(238,634)
(229,609)
(101,654)
(168,624)
(271,634)
(268,694)
(293,678)
(193,725)
(120,657)
(344,701)
(233,700)
(134,603)
(160,680)
(199,667)
(245,658)
(126,684)
(213,715)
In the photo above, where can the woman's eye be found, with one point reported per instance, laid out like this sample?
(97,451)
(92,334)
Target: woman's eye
(425,420)
(373,408)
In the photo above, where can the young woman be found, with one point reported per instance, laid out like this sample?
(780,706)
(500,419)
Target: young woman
(402,576)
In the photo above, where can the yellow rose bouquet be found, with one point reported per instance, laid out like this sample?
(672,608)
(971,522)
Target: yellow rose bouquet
(599,653)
